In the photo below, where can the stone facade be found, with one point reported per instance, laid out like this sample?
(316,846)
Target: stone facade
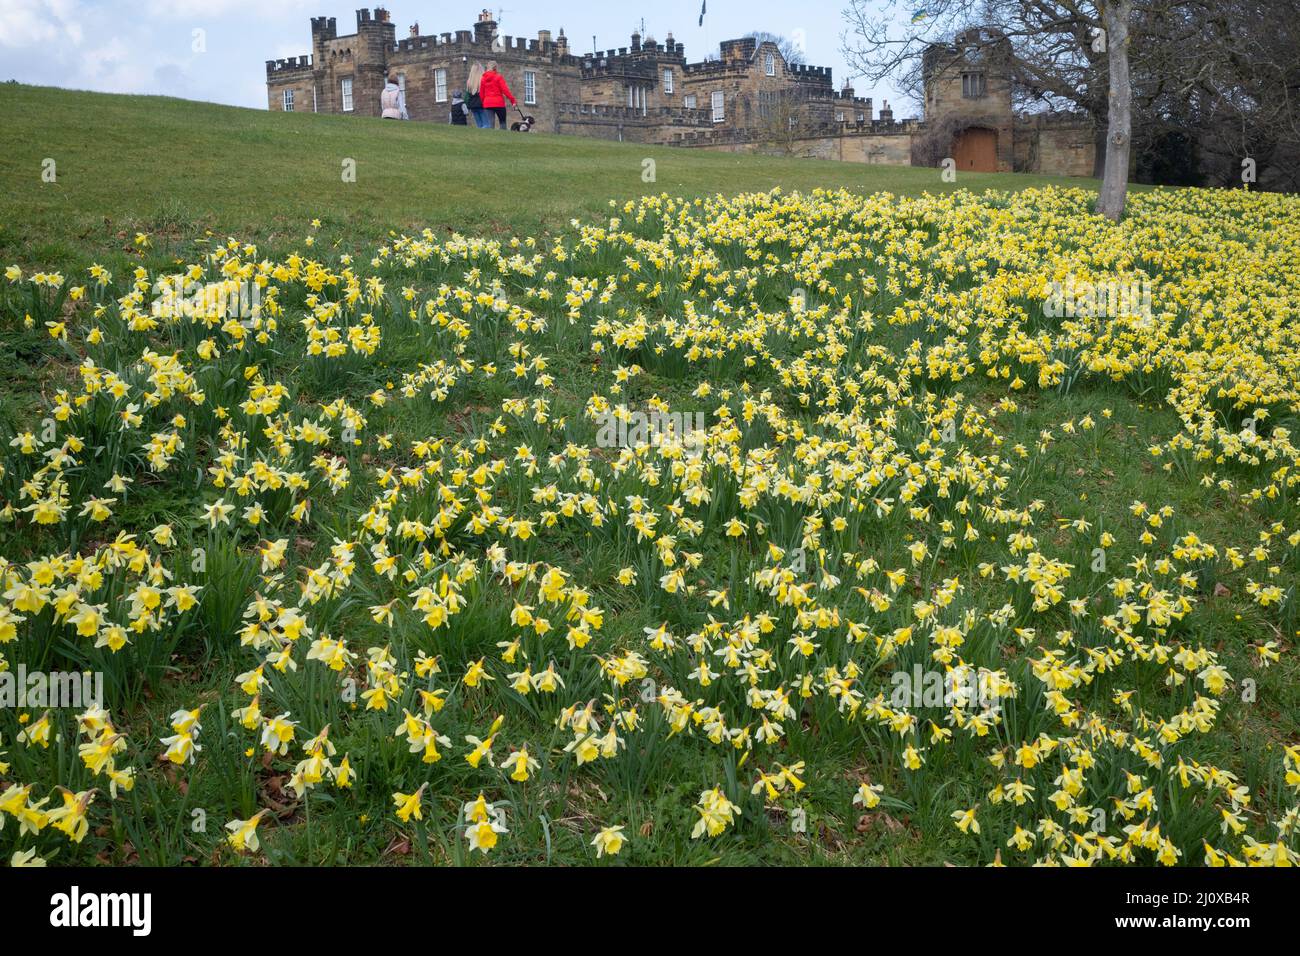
(968,88)
(748,98)
(968,108)
(1061,143)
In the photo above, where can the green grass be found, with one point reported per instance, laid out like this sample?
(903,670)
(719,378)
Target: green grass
(179,170)
(176,168)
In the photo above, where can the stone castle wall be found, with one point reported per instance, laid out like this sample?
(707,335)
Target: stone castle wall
(648,92)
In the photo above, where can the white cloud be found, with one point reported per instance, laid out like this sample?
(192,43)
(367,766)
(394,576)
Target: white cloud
(202,10)
(24,23)
(119,48)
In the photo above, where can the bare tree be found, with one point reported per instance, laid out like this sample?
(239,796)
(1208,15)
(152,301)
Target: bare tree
(1116,16)
(1222,81)
(782,122)
(789,49)
(1064,53)
(932,146)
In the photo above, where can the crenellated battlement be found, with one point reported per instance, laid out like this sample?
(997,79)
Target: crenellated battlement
(807,131)
(815,72)
(647,91)
(674,114)
(801,73)
(1049,120)
(292,64)
(466,43)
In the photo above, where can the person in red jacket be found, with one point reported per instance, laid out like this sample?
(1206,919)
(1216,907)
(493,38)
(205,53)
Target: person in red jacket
(494,92)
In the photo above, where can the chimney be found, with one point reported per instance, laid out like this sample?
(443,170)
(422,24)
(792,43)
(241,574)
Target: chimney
(738,51)
(886,114)
(562,43)
(636,42)
(415,29)
(485,30)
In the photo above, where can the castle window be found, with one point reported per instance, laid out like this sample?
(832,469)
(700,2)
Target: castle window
(440,85)
(689,101)
(288,101)
(771,64)
(862,117)
(530,88)
(636,97)
(973,85)
(839,117)
(345,87)
(719,106)
(668,82)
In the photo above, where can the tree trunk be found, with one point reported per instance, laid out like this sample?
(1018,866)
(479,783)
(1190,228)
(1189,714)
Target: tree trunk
(1119,131)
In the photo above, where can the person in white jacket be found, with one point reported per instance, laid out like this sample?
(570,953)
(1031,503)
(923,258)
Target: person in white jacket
(393,100)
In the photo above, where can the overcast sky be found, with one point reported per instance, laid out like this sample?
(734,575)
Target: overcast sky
(151,46)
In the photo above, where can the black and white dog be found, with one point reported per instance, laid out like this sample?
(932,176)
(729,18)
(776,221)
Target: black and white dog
(524,125)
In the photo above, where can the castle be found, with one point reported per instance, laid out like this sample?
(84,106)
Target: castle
(748,98)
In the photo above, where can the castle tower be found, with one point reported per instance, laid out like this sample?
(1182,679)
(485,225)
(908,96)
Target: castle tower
(968,95)
(376,36)
(323,29)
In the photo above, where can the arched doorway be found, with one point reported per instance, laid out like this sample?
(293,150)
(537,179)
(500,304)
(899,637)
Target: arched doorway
(976,150)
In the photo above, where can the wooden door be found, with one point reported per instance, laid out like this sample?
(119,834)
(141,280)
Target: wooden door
(976,150)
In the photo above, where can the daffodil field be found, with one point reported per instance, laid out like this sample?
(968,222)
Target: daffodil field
(774,528)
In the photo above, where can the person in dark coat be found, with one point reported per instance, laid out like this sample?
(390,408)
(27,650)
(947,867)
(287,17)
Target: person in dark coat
(459,111)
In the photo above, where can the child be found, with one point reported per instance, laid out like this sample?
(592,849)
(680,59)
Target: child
(459,111)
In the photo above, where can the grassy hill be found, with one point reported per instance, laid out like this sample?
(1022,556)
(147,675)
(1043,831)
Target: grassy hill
(351,540)
(176,167)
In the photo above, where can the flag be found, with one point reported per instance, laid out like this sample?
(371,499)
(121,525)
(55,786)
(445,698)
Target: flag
(920,15)
(704,8)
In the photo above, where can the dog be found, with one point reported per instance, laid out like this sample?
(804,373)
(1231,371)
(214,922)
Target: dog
(523,126)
